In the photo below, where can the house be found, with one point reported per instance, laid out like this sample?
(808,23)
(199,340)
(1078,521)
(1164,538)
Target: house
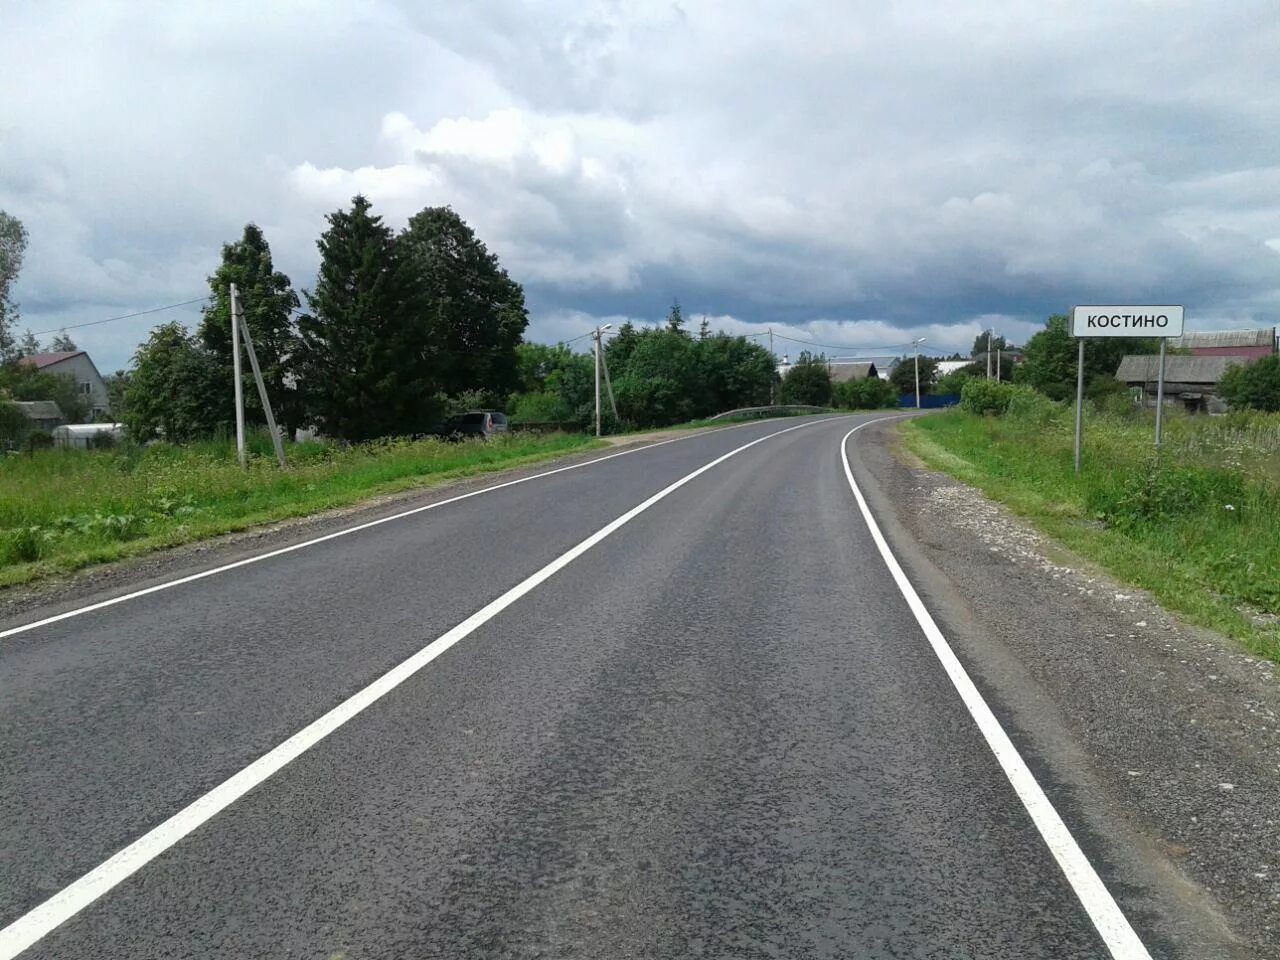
(884,365)
(1191,380)
(43,414)
(77,365)
(1250,344)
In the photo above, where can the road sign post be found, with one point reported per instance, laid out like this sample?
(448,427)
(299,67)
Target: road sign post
(1095,322)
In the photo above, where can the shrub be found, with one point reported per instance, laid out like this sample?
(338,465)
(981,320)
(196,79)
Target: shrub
(1031,406)
(1162,493)
(1255,386)
(870,393)
(987,396)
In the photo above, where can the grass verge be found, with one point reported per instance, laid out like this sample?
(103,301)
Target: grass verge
(61,510)
(1199,529)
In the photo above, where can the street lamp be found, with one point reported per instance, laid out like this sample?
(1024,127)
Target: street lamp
(915,344)
(599,331)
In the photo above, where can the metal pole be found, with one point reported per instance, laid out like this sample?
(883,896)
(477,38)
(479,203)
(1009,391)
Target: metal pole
(1160,398)
(988,354)
(262,389)
(998,351)
(773,383)
(917,378)
(598,433)
(235,374)
(1079,402)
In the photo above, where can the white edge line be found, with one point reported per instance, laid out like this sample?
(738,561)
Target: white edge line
(1107,917)
(62,906)
(257,558)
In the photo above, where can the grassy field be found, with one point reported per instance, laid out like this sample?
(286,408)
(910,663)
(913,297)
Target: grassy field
(65,509)
(1199,528)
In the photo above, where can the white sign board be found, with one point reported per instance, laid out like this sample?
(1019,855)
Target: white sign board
(1126,321)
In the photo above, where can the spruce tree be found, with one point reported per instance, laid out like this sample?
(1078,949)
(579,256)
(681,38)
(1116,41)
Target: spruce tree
(269,301)
(366,360)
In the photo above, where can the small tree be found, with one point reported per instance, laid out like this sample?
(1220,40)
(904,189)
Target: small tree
(869,393)
(13,245)
(1254,386)
(171,391)
(62,344)
(808,381)
(675,318)
(23,381)
(28,345)
(904,375)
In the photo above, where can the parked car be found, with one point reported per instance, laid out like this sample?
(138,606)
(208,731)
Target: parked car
(475,423)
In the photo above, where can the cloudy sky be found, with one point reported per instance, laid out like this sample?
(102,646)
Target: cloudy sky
(851,173)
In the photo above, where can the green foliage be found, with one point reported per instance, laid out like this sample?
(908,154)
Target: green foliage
(675,318)
(22,381)
(986,341)
(13,245)
(1049,358)
(808,381)
(63,509)
(62,344)
(953,383)
(987,396)
(475,312)
(1254,386)
(173,389)
(869,393)
(367,344)
(269,302)
(13,424)
(904,375)
(1160,492)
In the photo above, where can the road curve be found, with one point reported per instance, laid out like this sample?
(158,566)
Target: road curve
(716,730)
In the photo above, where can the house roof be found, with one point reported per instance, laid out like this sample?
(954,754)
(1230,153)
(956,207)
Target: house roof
(951,366)
(1146,368)
(40,409)
(1265,337)
(842,372)
(42,360)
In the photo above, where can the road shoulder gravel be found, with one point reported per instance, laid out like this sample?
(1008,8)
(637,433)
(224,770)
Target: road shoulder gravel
(1161,740)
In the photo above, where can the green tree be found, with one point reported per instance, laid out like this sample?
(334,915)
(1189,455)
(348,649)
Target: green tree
(14,425)
(904,375)
(476,311)
(117,385)
(13,246)
(556,386)
(28,345)
(269,302)
(660,383)
(980,344)
(1254,386)
(675,318)
(23,381)
(732,372)
(170,391)
(62,343)
(869,393)
(367,353)
(704,328)
(808,381)
(1049,358)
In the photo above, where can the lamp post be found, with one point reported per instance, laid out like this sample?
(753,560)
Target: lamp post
(915,344)
(599,331)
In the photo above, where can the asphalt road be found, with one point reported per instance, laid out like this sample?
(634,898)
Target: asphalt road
(719,731)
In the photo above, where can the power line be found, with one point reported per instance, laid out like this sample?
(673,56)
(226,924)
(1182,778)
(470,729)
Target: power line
(127,316)
(831,346)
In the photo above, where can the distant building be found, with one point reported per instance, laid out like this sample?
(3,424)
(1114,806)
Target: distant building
(77,365)
(1252,344)
(951,366)
(43,414)
(842,371)
(1192,381)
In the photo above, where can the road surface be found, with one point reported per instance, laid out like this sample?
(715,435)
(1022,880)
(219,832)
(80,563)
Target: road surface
(716,728)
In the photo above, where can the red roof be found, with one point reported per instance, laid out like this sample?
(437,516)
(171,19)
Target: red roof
(42,360)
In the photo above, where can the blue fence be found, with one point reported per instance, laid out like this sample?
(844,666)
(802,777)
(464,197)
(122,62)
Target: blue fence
(930,401)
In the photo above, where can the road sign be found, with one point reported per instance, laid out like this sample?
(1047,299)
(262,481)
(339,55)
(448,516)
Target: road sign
(1126,321)
(1123,321)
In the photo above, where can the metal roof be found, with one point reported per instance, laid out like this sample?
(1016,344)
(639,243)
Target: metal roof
(1146,368)
(40,409)
(1265,337)
(843,372)
(42,360)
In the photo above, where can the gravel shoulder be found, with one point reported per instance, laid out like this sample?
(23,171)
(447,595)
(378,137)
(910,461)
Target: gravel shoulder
(1159,741)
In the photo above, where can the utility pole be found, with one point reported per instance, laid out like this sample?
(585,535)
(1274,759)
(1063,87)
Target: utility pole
(613,404)
(773,382)
(916,345)
(235,373)
(598,333)
(988,353)
(998,352)
(262,386)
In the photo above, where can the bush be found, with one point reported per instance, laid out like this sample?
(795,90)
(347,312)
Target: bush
(1031,406)
(870,393)
(987,396)
(1255,386)
(1160,494)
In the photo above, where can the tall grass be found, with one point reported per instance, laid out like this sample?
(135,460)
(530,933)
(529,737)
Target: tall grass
(1198,525)
(62,509)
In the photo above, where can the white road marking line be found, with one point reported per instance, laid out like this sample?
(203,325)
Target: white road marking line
(65,904)
(1110,921)
(257,558)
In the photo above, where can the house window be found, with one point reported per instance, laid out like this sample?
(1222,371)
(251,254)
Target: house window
(86,387)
